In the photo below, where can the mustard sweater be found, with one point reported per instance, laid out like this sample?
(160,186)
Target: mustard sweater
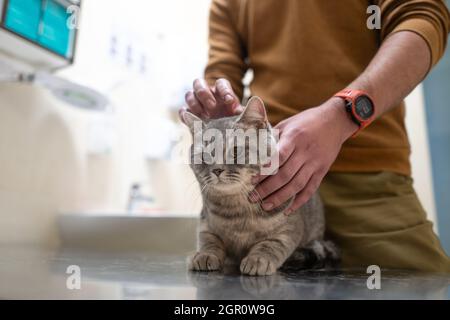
(304,51)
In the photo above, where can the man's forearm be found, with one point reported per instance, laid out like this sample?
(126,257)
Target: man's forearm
(398,67)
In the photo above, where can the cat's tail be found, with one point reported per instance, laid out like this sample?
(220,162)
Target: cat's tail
(318,254)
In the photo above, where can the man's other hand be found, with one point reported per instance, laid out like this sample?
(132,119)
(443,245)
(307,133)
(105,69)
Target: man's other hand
(215,101)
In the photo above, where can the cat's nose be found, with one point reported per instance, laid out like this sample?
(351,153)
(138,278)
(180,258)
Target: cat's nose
(217,172)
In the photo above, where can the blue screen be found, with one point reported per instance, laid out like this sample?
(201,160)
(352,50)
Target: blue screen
(41,21)
(23,17)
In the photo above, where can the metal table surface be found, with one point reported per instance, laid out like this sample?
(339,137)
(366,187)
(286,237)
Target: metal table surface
(27,273)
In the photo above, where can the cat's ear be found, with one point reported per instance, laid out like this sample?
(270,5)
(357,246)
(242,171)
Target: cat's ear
(254,112)
(189,119)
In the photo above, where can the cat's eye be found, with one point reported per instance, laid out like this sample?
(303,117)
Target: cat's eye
(238,154)
(207,158)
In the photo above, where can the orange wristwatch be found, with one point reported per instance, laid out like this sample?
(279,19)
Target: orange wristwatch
(359,105)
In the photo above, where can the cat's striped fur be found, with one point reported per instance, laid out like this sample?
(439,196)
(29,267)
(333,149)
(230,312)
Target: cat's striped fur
(231,227)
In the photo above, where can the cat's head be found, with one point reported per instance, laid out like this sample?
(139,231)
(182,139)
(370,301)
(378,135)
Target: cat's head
(227,152)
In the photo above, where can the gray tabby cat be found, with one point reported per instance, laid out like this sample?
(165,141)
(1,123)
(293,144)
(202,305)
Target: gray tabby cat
(234,228)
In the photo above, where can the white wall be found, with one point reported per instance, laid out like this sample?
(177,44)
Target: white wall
(41,164)
(420,157)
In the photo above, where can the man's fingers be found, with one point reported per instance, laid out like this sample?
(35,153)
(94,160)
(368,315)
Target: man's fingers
(204,94)
(303,196)
(238,109)
(225,92)
(181,112)
(281,178)
(193,104)
(285,150)
(296,185)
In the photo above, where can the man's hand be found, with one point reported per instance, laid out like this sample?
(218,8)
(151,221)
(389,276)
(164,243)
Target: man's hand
(212,102)
(309,143)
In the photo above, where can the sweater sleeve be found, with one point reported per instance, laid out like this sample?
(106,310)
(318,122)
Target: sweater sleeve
(226,49)
(427,18)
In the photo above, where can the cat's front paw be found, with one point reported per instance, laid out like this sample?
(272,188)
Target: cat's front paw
(204,261)
(257,265)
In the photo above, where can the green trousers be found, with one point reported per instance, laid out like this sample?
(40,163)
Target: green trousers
(376,218)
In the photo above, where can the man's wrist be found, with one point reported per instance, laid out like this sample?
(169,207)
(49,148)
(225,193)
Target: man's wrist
(347,127)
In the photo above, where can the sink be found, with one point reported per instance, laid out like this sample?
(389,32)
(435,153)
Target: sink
(133,233)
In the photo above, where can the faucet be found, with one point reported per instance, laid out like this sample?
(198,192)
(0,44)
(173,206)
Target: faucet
(135,195)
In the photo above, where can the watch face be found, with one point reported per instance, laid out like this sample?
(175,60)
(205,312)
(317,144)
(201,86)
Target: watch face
(364,107)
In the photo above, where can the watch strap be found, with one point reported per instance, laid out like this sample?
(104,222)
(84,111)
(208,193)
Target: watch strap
(350,96)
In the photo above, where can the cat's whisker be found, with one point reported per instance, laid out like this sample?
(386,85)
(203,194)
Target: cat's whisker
(193,201)
(188,190)
(248,204)
(257,194)
(190,185)
(248,190)
(205,203)
(199,195)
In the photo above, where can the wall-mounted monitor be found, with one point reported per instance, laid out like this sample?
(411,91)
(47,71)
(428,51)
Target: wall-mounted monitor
(38,32)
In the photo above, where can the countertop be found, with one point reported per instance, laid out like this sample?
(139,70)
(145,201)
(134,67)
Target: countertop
(29,273)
